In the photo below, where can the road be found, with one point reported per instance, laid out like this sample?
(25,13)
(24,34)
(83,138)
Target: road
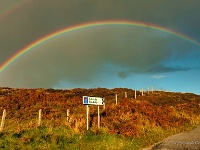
(189,140)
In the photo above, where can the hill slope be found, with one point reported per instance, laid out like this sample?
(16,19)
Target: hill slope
(150,117)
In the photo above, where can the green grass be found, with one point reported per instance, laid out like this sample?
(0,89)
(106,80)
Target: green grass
(64,138)
(48,137)
(132,124)
(55,134)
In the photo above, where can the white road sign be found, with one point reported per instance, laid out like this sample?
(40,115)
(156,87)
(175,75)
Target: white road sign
(93,100)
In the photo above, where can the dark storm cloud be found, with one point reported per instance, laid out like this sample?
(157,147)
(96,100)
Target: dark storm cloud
(154,69)
(80,57)
(164,69)
(38,18)
(83,56)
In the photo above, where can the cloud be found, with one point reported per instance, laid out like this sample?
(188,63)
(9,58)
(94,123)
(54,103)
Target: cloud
(123,74)
(165,69)
(90,54)
(158,76)
(154,69)
(35,19)
(84,56)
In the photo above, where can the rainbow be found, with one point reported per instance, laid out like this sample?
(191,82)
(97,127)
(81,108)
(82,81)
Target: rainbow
(90,25)
(12,7)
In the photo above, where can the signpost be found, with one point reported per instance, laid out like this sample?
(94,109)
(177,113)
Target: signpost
(92,101)
(87,115)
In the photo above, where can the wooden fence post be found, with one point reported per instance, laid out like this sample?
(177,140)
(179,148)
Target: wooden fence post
(135,94)
(40,117)
(116,99)
(3,120)
(142,91)
(68,115)
(104,104)
(125,94)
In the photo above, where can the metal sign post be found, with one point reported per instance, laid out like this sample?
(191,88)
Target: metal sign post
(98,118)
(92,101)
(87,115)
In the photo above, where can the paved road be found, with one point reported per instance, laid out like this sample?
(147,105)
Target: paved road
(189,140)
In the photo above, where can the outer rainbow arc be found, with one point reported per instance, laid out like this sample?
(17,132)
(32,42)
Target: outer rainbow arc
(89,25)
(16,5)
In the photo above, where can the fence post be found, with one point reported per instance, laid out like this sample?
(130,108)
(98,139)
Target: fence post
(3,120)
(116,98)
(40,117)
(68,115)
(135,94)
(125,94)
(142,91)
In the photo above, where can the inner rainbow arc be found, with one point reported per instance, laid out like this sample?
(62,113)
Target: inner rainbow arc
(89,25)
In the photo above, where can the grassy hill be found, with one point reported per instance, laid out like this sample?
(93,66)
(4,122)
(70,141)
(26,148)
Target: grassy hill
(129,124)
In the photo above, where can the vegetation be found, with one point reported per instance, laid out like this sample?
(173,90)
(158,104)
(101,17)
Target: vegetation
(131,124)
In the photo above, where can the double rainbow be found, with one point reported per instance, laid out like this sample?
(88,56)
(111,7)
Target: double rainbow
(92,25)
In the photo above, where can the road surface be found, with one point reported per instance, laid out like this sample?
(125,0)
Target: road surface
(189,140)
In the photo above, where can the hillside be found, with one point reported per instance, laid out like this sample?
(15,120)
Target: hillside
(148,118)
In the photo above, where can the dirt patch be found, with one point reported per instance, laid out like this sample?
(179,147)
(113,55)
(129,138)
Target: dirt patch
(189,140)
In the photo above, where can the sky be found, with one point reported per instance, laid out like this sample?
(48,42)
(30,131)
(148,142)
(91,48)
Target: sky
(109,43)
